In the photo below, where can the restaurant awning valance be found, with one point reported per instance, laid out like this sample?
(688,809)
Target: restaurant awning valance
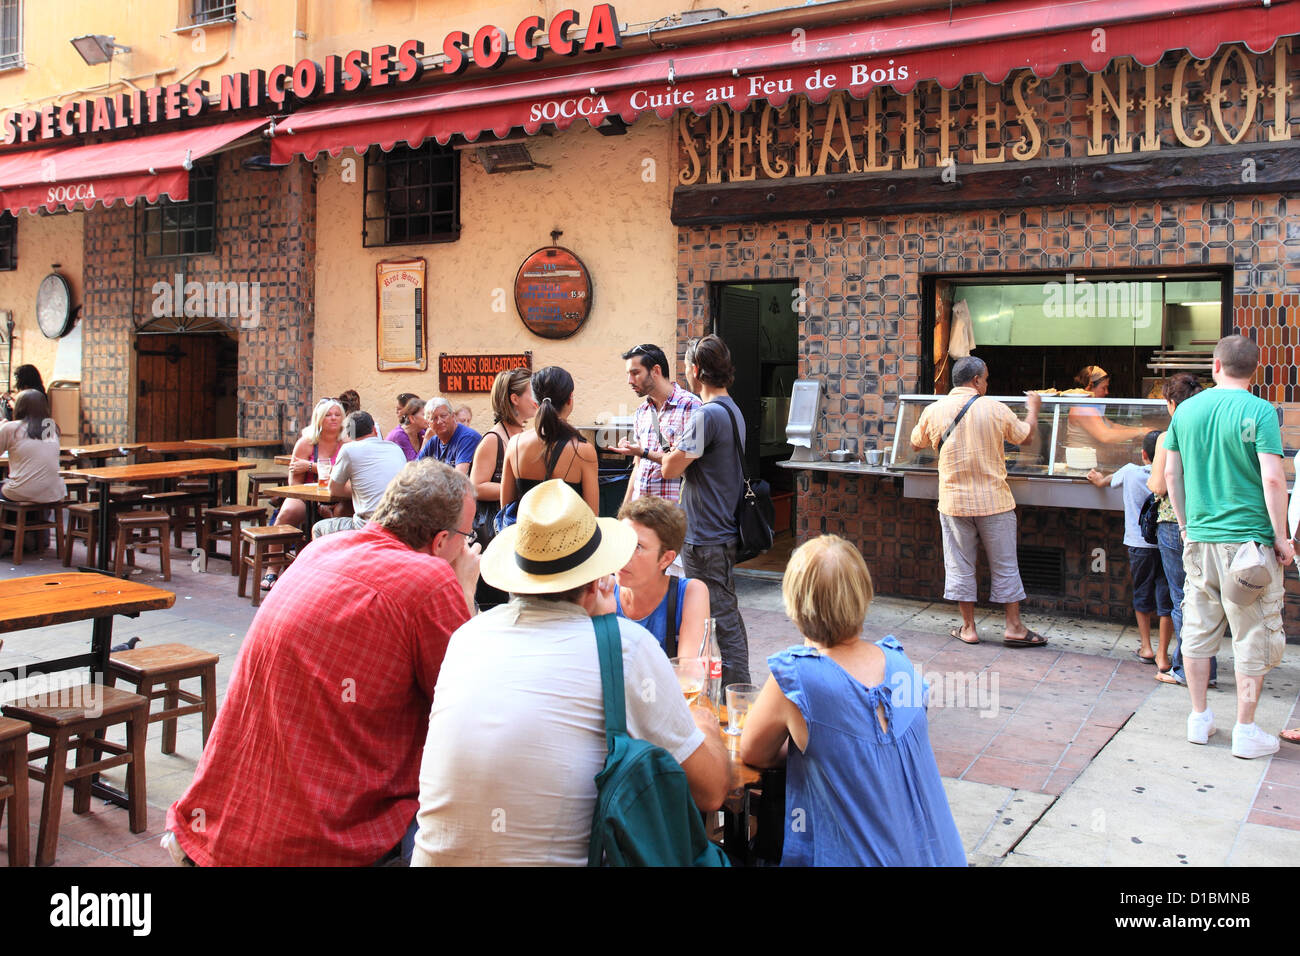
(148,166)
(992,39)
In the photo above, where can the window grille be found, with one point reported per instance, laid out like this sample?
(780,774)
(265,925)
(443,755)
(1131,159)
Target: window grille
(412,195)
(184,228)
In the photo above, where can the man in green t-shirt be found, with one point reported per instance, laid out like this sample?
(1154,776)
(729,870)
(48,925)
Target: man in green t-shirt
(1225,478)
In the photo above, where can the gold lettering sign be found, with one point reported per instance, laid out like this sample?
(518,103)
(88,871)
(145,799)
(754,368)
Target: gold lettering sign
(1237,98)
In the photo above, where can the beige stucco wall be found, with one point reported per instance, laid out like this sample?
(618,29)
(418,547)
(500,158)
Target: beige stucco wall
(42,242)
(614,220)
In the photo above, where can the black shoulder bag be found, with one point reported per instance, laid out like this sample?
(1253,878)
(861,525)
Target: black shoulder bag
(670,631)
(485,512)
(754,513)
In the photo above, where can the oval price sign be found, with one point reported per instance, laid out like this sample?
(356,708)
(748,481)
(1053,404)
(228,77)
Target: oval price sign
(553,292)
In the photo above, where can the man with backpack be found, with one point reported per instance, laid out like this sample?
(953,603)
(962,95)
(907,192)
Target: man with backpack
(517,734)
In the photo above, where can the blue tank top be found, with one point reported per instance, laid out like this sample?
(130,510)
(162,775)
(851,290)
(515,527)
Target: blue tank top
(656,622)
(869,796)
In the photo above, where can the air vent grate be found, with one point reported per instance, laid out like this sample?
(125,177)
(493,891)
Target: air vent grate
(1042,570)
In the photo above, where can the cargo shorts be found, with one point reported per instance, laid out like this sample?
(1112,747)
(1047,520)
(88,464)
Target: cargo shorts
(1257,636)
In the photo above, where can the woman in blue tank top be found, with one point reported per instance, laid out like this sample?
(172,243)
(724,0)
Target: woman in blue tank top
(859,762)
(645,593)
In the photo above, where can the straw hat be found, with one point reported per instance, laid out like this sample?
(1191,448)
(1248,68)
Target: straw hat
(556,545)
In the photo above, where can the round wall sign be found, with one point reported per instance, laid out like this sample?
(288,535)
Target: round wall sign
(553,292)
(54,306)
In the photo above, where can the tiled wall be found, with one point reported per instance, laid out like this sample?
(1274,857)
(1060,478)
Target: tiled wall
(266,233)
(861,334)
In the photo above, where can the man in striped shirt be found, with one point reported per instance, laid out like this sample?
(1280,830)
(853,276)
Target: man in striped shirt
(975,502)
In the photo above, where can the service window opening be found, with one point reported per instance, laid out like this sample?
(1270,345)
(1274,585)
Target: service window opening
(1039,332)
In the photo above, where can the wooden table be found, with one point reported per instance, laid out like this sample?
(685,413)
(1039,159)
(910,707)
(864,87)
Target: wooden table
(47,599)
(285,460)
(170,449)
(312,495)
(155,471)
(101,452)
(231,446)
(44,600)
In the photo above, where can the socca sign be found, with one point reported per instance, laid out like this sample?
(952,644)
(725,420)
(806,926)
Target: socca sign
(286,84)
(553,292)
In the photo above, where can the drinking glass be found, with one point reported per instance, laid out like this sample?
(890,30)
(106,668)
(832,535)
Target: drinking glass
(323,469)
(690,672)
(740,698)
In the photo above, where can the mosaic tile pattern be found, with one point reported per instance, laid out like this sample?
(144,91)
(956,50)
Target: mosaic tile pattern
(266,233)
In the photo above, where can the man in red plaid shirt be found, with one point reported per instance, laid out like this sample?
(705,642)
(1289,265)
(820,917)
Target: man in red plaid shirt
(660,421)
(315,756)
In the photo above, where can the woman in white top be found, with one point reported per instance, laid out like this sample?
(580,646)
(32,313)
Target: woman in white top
(32,441)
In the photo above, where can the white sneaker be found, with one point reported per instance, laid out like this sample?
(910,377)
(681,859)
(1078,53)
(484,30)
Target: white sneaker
(1200,727)
(1248,741)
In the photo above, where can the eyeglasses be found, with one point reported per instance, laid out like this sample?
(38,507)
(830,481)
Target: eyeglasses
(467,535)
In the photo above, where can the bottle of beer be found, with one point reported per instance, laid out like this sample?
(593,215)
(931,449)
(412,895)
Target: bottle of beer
(713,673)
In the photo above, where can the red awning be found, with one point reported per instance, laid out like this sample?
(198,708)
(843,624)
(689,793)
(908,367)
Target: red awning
(148,166)
(991,39)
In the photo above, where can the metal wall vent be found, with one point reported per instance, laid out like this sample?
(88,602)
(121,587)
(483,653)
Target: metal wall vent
(1042,570)
(513,158)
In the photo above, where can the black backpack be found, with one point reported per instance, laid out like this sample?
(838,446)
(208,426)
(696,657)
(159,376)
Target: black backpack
(1149,519)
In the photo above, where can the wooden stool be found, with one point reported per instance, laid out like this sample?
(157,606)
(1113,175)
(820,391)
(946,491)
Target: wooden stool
(21,517)
(255,552)
(184,509)
(13,786)
(156,672)
(71,728)
(233,516)
(83,525)
(133,534)
(120,493)
(259,478)
(200,489)
(78,489)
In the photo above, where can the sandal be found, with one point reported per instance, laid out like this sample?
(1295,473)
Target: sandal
(1030,639)
(1291,736)
(268,580)
(1166,677)
(955,631)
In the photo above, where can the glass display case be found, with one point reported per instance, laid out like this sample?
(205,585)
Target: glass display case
(1073,434)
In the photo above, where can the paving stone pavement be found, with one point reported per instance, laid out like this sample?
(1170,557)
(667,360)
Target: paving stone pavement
(1068,755)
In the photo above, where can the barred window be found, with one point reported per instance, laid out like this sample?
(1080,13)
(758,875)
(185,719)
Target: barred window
(8,242)
(412,195)
(11,34)
(208,11)
(184,228)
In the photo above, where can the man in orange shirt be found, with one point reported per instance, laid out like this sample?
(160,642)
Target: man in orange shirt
(975,503)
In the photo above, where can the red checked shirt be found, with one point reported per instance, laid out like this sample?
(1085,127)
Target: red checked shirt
(676,412)
(315,756)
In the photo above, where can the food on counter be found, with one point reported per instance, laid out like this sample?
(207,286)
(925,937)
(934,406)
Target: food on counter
(1081,458)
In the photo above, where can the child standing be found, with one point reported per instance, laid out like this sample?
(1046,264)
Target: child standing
(1150,588)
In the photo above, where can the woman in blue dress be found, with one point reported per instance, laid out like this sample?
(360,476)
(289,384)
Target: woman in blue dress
(848,718)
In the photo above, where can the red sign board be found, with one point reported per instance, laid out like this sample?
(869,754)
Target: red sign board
(553,292)
(475,373)
(380,66)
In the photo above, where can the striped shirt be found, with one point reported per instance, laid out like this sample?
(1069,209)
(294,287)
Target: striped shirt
(972,465)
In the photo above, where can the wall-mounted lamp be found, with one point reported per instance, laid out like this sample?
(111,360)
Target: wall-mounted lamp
(95,48)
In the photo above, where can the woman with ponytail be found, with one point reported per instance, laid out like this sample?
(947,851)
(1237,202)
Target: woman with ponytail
(553,448)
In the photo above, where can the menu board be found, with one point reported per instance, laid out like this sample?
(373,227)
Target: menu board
(400,331)
(553,292)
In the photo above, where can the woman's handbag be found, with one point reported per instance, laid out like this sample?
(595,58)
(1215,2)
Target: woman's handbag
(485,512)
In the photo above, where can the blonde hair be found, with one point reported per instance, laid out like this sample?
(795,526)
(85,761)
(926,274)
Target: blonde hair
(513,381)
(827,590)
(318,417)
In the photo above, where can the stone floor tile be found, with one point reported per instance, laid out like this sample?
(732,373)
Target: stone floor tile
(1007,773)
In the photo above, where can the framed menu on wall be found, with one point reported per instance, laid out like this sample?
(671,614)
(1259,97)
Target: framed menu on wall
(400,332)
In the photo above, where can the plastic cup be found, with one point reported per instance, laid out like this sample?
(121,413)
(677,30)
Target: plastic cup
(740,698)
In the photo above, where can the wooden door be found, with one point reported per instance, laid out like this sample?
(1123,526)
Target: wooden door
(176,386)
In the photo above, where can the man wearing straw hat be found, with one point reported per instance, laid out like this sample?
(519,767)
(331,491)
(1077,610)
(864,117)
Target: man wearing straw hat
(517,730)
